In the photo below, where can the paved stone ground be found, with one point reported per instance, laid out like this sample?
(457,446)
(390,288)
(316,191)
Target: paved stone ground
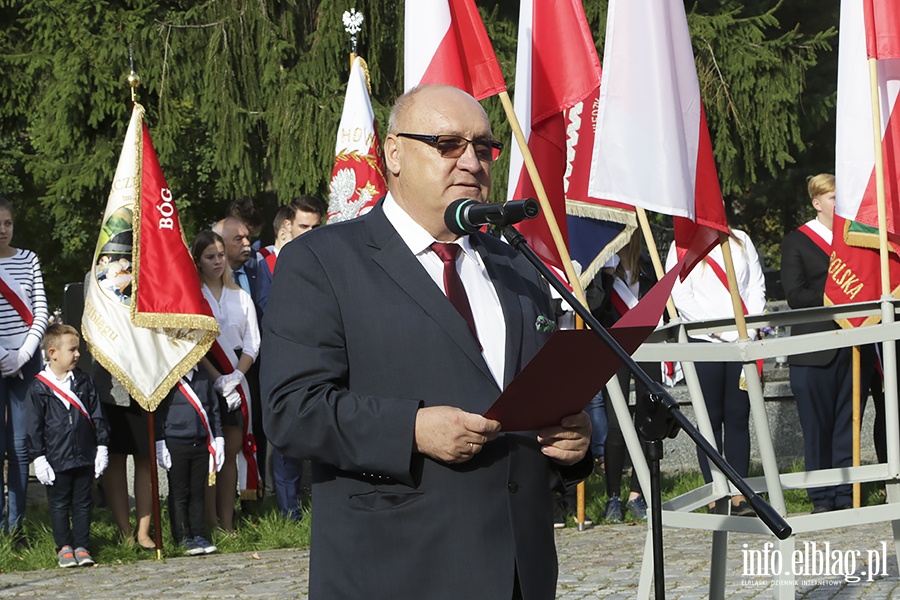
(600,562)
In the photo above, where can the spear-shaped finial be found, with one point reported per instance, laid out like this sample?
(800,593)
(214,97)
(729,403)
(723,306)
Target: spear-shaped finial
(134,80)
(352,24)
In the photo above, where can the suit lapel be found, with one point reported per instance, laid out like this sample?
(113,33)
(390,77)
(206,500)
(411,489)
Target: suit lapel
(395,259)
(501,272)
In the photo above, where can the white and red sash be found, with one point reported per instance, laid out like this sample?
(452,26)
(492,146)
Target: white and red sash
(185,388)
(225,360)
(14,295)
(819,241)
(622,298)
(723,278)
(65,396)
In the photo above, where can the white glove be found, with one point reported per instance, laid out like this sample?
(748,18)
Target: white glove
(101,461)
(227,383)
(220,453)
(233,400)
(44,471)
(219,383)
(163,458)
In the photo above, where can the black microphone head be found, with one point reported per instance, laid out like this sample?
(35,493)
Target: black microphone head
(531,208)
(454,217)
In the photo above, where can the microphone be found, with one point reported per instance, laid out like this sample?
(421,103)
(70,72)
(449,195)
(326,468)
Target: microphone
(465,216)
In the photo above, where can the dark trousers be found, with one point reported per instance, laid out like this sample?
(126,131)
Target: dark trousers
(71,493)
(729,414)
(287,472)
(616,451)
(187,482)
(825,406)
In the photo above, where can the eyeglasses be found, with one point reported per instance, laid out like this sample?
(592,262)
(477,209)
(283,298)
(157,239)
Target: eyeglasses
(454,146)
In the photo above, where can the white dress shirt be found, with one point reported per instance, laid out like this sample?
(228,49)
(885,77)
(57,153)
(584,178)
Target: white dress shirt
(480,290)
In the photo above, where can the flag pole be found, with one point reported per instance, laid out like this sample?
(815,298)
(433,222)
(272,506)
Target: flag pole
(883,253)
(879,180)
(134,80)
(557,240)
(654,255)
(542,197)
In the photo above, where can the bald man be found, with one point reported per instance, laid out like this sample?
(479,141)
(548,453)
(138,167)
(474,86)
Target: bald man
(373,373)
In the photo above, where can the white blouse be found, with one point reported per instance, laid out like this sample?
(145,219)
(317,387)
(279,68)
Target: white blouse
(236,316)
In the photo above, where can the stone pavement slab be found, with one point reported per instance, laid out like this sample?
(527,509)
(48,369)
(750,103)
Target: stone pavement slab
(599,563)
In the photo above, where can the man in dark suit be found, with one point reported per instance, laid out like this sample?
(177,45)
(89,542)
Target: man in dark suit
(376,376)
(821,381)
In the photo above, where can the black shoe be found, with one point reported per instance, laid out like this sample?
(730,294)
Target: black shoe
(822,508)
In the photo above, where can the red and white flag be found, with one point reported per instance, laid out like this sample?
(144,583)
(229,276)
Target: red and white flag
(145,319)
(869,29)
(556,68)
(652,147)
(445,42)
(357,180)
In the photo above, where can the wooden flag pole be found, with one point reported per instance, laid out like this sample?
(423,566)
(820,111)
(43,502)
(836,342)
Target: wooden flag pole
(654,255)
(542,198)
(154,485)
(879,180)
(554,232)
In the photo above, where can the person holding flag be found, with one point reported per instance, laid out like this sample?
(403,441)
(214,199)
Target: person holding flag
(227,363)
(23,320)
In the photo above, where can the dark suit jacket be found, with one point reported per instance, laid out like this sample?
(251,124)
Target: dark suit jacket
(804,269)
(357,337)
(260,281)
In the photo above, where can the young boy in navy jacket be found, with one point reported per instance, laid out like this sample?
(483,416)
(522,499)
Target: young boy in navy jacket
(66,438)
(191,447)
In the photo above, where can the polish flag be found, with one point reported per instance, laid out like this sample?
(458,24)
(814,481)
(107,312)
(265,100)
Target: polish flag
(357,179)
(855,151)
(869,29)
(557,67)
(445,42)
(652,147)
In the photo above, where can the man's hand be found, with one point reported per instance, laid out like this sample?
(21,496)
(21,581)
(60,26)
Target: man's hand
(451,435)
(568,442)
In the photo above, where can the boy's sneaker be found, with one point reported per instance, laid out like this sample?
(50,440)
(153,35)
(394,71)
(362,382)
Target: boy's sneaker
(191,547)
(638,508)
(614,510)
(205,544)
(83,557)
(66,557)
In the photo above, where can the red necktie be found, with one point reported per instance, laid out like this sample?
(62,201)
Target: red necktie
(453,284)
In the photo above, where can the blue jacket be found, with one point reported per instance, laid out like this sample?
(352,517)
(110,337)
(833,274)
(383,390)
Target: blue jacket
(62,433)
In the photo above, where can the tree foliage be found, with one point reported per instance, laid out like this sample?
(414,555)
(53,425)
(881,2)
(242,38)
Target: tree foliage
(243,98)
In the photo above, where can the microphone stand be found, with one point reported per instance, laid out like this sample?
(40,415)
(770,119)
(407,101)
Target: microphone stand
(663,420)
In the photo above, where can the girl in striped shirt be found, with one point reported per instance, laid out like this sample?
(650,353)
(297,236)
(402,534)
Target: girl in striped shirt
(23,320)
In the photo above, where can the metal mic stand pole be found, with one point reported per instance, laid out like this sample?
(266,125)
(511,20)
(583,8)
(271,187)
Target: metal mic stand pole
(663,420)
